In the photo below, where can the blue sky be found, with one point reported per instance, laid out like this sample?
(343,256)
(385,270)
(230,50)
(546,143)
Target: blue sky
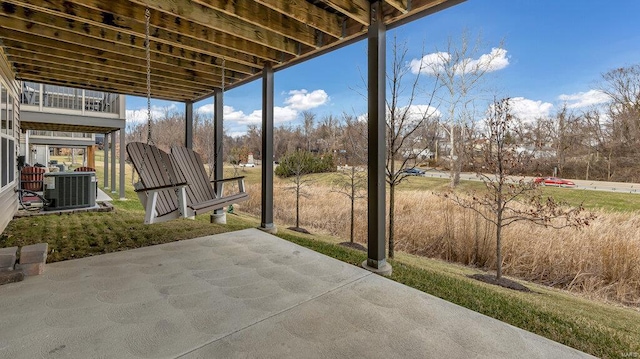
(555,54)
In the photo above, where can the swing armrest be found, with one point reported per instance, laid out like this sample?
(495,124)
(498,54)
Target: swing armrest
(146,189)
(239,178)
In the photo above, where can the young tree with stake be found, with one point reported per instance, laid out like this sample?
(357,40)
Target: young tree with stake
(508,197)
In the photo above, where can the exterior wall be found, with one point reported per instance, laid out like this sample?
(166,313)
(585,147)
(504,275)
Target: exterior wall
(9,141)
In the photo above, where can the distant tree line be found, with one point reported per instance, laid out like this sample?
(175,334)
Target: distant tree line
(599,143)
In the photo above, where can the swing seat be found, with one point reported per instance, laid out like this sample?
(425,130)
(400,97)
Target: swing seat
(161,189)
(204,195)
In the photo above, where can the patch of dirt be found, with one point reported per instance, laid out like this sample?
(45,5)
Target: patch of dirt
(354,245)
(299,229)
(503,282)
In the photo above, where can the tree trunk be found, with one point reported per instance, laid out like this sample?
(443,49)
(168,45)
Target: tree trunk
(586,177)
(609,166)
(298,204)
(452,161)
(353,200)
(392,195)
(499,246)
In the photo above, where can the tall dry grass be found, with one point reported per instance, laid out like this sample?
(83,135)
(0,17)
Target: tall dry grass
(599,261)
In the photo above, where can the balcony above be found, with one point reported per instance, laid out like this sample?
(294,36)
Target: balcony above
(59,108)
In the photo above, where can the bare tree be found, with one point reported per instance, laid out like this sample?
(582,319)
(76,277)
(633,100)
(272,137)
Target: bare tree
(622,85)
(405,121)
(460,75)
(351,183)
(509,198)
(297,165)
(309,119)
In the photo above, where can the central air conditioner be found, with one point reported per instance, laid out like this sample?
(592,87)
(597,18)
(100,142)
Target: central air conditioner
(70,190)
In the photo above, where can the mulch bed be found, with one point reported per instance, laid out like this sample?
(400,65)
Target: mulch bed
(299,229)
(503,282)
(354,245)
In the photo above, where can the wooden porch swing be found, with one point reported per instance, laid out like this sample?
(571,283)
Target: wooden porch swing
(175,185)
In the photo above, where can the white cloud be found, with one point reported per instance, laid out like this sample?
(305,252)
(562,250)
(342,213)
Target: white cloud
(495,60)
(283,114)
(414,113)
(418,112)
(302,100)
(433,63)
(584,99)
(236,134)
(206,109)
(140,115)
(280,115)
(529,110)
(299,100)
(231,114)
(430,63)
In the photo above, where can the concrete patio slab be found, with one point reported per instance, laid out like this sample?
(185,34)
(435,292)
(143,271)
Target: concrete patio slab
(244,294)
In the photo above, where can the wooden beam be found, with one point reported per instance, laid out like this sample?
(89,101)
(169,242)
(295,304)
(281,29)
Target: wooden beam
(188,70)
(219,21)
(265,18)
(23,18)
(53,65)
(26,125)
(400,5)
(309,14)
(354,9)
(100,84)
(122,15)
(62,38)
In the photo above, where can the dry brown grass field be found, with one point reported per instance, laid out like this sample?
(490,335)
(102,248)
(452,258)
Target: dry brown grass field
(598,261)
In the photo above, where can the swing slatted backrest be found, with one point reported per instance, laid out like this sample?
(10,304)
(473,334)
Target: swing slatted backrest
(156,168)
(199,187)
(202,197)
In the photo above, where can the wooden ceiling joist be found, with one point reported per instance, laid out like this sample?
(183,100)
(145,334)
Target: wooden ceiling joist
(223,22)
(253,13)
(101,85)
(172,69)
(43,126)
(309,14)
(68,30)
(100,44)
(121,74)
(357,10)
(87,64)
(164,27)
(400,5)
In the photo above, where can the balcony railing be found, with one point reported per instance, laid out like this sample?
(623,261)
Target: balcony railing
(60,134)
(67,98)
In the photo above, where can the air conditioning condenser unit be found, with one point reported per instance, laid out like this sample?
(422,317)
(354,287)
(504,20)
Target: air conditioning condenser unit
(68,190)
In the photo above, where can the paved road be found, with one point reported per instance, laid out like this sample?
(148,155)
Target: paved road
(580,184)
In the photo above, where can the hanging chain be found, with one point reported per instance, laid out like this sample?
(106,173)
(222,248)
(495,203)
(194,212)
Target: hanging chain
(147,47)
(223,73)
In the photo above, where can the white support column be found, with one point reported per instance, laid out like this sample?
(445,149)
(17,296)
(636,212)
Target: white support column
(27,151)
(122,163)
(105,147)
(113,162)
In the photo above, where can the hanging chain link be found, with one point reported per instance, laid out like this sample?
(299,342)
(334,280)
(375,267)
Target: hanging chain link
(223,73)
(147,47)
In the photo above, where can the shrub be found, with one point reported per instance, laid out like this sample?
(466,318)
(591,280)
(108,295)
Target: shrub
(303,162)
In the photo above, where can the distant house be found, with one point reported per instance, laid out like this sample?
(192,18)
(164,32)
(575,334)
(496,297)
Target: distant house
(418,153)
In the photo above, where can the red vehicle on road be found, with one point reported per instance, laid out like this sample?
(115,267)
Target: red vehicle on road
(553,181)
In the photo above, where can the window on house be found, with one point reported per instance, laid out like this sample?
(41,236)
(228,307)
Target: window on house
(7,138)
(5,161)
(3,109)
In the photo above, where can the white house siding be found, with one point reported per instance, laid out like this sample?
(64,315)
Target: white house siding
(9,142)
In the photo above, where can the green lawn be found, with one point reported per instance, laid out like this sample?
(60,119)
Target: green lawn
(607,201)
(600,329)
